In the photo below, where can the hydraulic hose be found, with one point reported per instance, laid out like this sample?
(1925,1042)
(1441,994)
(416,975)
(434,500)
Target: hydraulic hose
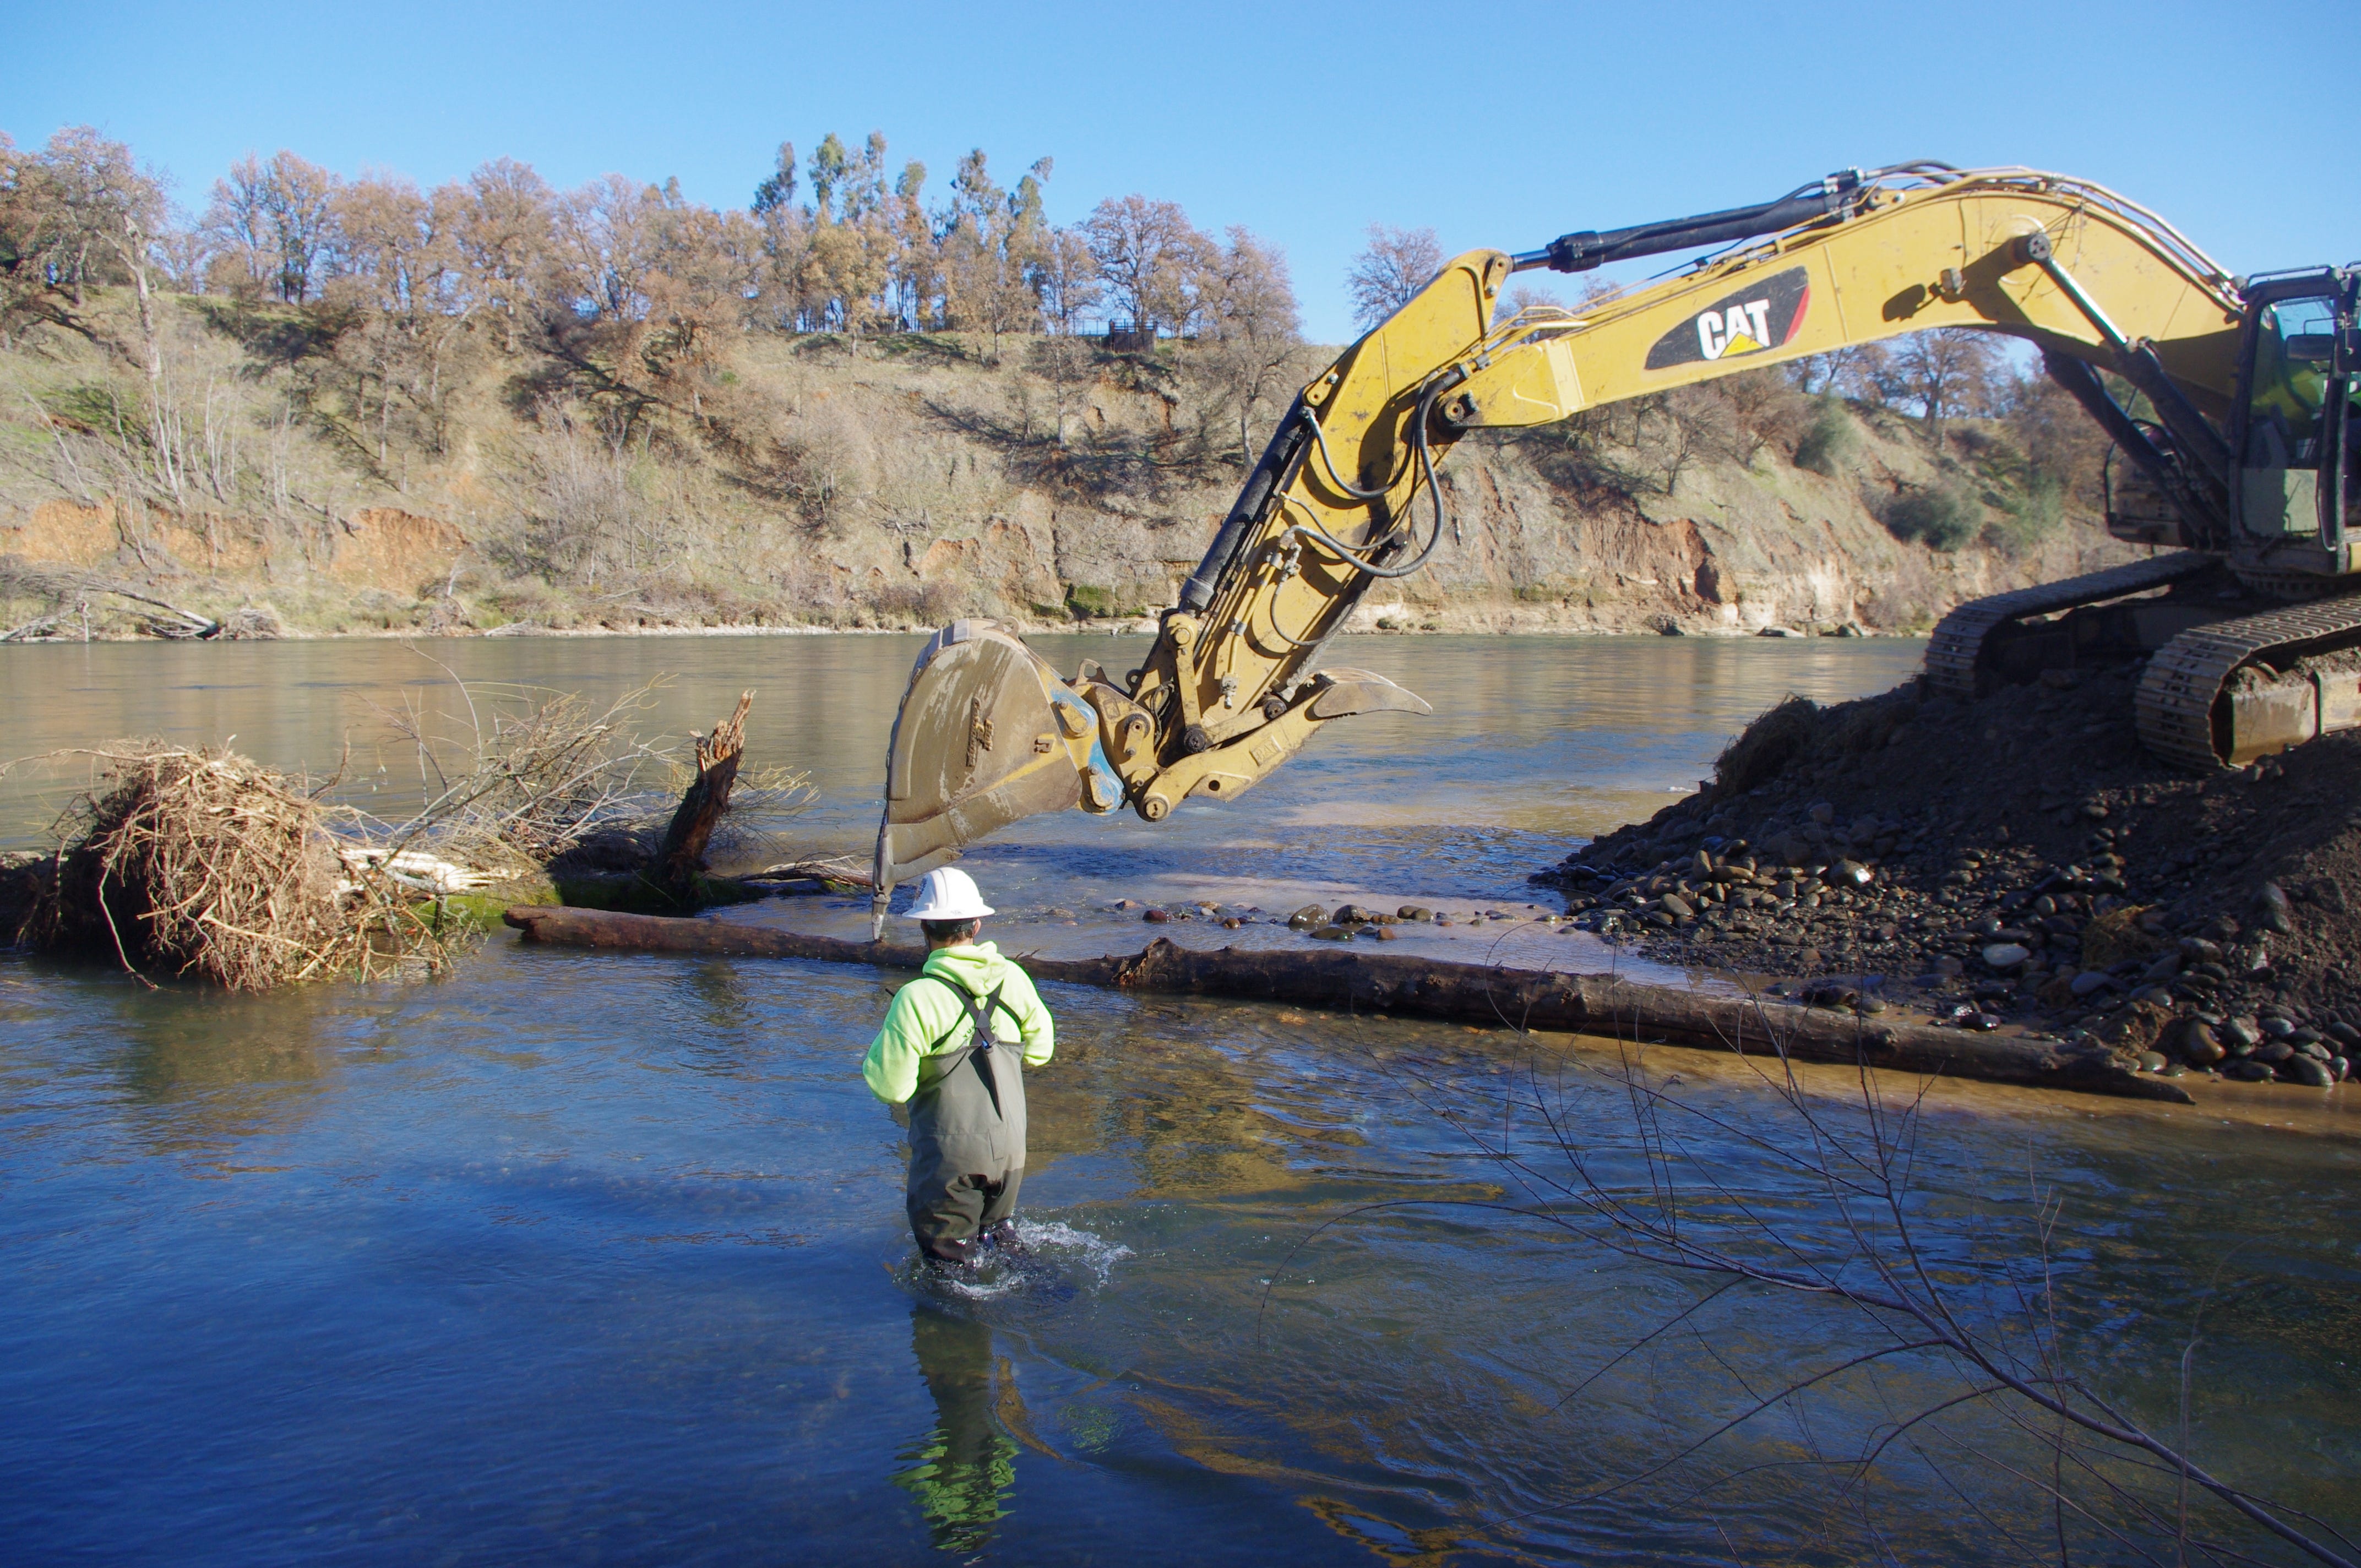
(1423,455)
(1336,475)
(1198,591)
(1584,249)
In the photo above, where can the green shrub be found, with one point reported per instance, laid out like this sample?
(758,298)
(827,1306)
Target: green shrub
(1829,440)
(1941,518)
(2033,513)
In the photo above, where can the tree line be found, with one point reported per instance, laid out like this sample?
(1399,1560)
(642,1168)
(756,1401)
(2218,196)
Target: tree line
(841,241)
(636,294)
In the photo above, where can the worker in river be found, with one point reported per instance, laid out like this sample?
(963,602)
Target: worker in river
(949,1050)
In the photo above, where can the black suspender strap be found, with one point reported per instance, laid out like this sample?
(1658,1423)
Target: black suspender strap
(978,1011)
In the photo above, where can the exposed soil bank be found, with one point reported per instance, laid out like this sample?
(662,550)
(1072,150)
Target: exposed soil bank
(2017,858)
(905,481)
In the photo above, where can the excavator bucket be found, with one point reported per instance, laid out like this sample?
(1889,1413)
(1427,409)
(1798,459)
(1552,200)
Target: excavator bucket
(981,741)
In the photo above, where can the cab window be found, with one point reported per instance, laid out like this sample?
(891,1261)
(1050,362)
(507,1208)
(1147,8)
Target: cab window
(2292,358)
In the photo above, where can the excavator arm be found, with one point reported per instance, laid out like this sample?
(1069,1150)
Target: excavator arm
(1345,494)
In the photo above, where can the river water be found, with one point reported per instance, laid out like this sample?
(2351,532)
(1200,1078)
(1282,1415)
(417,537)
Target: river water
(583,1257)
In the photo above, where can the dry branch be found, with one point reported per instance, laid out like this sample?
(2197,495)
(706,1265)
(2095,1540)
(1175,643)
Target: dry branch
(60,585)
(206,863)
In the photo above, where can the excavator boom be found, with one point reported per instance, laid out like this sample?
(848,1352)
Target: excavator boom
(1346,496)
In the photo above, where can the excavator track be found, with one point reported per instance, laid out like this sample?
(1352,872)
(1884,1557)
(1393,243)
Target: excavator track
(1955,651)
(2184,681)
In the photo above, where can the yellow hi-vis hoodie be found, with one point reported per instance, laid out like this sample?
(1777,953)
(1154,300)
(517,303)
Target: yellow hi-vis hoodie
(924,1012)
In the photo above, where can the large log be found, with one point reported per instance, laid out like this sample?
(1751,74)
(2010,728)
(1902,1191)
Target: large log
(1347,981)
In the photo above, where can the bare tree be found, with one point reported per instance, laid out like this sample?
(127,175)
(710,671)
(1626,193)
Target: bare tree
(1861,371)
(102,205)
(1149,261)
(278,218)
(502,229)
(1947,371)
(1250,325)
(1065,279)
(1395,265)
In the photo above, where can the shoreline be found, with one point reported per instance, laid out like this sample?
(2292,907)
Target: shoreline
(1025,629)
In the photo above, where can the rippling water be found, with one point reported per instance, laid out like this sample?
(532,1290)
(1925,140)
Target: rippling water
(591,1256)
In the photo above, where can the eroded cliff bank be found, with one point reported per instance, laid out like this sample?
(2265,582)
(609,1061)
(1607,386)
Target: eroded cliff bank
(832,482)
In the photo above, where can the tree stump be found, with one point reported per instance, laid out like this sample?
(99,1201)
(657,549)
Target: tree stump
(681,860)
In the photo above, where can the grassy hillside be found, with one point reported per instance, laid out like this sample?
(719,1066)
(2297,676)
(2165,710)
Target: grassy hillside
(274,464)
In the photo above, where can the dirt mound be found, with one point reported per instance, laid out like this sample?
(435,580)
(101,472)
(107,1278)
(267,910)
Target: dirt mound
(2015,859)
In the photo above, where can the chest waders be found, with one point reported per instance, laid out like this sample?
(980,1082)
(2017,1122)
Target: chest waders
(967,1130)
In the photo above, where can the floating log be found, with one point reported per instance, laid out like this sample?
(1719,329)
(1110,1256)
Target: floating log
(1353,981)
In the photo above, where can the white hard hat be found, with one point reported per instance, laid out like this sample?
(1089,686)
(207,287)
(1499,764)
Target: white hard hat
(948,895)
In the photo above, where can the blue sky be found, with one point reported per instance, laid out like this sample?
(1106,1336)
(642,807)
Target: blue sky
(1502,124)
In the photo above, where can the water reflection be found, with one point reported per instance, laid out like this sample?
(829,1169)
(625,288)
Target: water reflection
(964,1471)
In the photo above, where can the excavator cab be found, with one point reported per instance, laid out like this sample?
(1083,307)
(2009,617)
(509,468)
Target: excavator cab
(2295,413)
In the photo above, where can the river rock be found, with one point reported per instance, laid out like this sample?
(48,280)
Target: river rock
(2250,1071)
(2005,955)
(2276,912)
(2240,1034)
(1153,916)
(2151,1061)
(1822,812)
(2197,1044)
(2343,1033)
(1311,914)
(2277,1028)
(1835,994)
(2309,1072)
(1333,934)
(1679,908)
(1414,911)
(2276,1052)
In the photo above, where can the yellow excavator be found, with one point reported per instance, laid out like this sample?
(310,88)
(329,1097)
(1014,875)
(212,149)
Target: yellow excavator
(2231,403)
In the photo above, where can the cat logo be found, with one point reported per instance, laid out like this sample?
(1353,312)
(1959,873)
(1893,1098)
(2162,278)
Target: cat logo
(1763,315)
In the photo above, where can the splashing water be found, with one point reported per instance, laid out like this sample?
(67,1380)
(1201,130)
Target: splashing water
(1057,1259)
(1090,1251)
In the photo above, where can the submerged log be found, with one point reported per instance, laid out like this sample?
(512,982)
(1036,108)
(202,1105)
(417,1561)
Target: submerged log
(1430,988)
